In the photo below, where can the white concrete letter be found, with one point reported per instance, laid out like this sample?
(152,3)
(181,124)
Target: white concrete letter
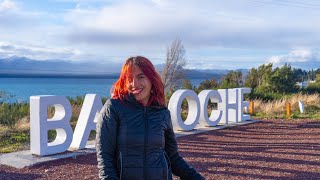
(40,125)
(175,109)
(216,115)
(229,105)
(243,104)
(233,105)
(86,122)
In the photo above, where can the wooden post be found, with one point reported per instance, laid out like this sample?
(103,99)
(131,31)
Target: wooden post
(251,108)
(288,110)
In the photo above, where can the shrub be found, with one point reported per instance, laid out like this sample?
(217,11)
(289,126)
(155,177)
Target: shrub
(276,108)
(11,113)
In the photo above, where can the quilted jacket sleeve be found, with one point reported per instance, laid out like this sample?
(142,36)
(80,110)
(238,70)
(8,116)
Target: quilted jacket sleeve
(106,142)
(179,166)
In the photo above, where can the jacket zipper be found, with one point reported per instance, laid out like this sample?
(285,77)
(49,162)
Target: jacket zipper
(145,143)
(120,165)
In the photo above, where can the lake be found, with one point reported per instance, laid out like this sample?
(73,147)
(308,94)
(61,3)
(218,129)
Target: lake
(22,88)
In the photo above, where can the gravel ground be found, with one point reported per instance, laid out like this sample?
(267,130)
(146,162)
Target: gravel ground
(270,149)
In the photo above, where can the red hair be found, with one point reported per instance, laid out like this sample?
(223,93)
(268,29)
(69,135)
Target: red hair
(120,89)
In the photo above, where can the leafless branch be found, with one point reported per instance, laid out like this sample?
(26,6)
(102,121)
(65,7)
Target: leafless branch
(175,61)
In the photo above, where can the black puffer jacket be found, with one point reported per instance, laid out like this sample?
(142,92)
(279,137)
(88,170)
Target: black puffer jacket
(138,143)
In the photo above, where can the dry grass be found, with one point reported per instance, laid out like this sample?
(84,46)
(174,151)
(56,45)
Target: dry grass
(23,124)
(4,130)
(278,107)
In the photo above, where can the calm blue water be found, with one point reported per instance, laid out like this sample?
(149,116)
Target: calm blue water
(22,88)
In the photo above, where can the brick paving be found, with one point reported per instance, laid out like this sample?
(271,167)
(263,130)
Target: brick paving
(269,149)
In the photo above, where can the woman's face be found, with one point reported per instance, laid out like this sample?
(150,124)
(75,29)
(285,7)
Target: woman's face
(139,85)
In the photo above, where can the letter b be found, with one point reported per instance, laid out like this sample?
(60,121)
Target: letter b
(40,125)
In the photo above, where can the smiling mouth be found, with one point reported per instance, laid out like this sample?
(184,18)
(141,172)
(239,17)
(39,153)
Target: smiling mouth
(136,91)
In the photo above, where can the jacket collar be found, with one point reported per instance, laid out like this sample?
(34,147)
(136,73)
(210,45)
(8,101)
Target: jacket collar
(131,99)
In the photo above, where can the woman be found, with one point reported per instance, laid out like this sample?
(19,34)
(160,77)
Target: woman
(135,139)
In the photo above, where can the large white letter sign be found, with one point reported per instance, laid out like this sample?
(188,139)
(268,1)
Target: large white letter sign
(230,109)
(87,121)
(229,102)
(243,104)
(232,106)
(216,115)
(175,109)
(40,125)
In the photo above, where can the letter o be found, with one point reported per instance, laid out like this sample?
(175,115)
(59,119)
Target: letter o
(216,115)
(193,111)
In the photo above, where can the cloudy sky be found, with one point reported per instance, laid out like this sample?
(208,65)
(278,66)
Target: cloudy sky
(216,34)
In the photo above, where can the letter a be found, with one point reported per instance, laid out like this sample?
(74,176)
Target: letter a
(86,122)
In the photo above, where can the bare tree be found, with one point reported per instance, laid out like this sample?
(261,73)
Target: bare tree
(173,68)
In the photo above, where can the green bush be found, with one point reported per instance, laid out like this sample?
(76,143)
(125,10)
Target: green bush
(11,113)
(76,100)
(4,96)
(264,95)
(312,88)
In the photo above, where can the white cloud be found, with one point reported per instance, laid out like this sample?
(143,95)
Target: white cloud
(129,27)
(13,17)
(205,24)
(297,55)
(37,52)
(159,22)
(130,19)
(7,5)
(298,58)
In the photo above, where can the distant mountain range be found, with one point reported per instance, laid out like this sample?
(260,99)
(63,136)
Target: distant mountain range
(30,67)
(24,67)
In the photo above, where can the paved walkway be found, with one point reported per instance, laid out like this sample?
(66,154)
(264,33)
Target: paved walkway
(268,149)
